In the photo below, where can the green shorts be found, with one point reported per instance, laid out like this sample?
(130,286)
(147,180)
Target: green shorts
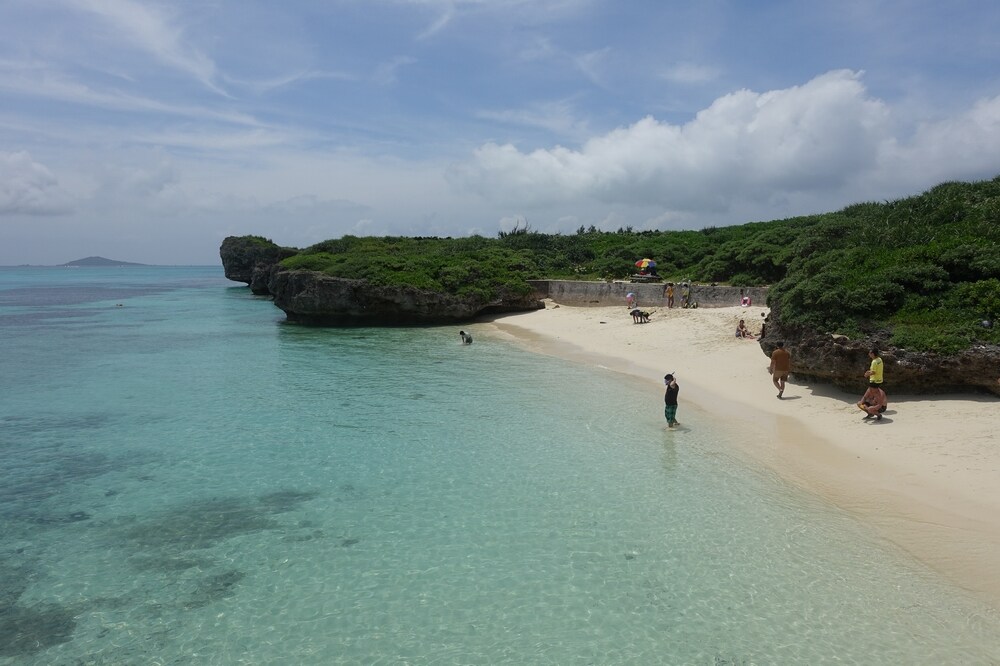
(670,411)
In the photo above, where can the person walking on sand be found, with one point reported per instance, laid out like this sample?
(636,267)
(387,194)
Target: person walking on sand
(670,400)
(781,365)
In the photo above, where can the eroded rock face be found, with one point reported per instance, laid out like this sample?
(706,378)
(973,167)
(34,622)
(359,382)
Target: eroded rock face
(313,298)
(842,361)
(252,260)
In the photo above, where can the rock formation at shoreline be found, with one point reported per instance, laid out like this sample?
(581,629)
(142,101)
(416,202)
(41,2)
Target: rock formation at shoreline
(313,298)
(252,260)
(841,361)
(310,297)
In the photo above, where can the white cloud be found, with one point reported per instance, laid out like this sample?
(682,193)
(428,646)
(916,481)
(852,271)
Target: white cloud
(690,73)
(36,80)
(145,184)
(528,12)
(965,146)
(594,64)
(556,117)
(385,74)
(439,24)
(29,188)
(154,32)
(744,146)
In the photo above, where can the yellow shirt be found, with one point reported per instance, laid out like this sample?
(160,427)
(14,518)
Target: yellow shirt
(876,368)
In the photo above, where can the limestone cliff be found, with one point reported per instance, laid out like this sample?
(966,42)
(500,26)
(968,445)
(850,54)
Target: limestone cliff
(833,358)
(311,297)
(253,260)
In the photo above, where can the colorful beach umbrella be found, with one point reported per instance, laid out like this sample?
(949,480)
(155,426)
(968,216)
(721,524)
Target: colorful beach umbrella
(645,263)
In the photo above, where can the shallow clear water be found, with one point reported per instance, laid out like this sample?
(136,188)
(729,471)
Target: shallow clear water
(187,479)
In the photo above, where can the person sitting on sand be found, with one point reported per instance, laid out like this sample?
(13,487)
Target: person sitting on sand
(873,403)
(743,332)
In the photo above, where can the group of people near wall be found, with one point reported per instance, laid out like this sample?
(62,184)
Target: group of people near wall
(669,290)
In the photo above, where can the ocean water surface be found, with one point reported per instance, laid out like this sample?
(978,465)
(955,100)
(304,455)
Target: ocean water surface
(187,479)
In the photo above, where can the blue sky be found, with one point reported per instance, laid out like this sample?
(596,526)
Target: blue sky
(148,131)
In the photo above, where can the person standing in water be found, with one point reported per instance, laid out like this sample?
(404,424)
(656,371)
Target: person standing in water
(466,337)
(670,400)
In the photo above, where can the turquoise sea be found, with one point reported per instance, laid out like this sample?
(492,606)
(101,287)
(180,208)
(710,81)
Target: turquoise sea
(187,479)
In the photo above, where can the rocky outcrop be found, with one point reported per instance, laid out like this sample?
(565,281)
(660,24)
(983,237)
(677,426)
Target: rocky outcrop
(836,359)
(311,297)
(253,260)
(314,298)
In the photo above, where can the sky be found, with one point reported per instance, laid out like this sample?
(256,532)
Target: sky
(148,131)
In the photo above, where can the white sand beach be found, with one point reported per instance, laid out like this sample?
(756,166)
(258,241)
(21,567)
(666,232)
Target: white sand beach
(926,477)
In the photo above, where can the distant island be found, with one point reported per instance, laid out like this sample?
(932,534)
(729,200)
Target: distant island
(99,261)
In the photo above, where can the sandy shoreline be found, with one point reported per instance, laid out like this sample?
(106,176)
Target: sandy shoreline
(925,477)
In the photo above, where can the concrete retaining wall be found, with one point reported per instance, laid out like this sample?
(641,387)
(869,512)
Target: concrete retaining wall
(648,295)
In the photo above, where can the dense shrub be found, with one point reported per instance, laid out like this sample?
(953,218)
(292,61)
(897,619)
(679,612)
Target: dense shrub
(924,268)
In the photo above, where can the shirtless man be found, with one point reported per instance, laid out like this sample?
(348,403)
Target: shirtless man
(781,365)
(873,403)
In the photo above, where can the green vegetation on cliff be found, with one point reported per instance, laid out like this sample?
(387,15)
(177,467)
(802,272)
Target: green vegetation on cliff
(922,272)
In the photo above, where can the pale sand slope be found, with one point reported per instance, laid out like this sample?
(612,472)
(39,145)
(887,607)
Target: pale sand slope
(927,476)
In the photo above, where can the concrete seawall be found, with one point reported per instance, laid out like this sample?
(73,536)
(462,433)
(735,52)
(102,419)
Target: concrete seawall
(648,294)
